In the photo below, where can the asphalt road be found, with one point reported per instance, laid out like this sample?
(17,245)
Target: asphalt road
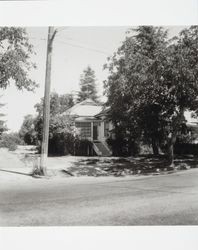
(158,200)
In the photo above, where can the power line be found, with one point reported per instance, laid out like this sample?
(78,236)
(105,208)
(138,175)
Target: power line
(83,47)
(75,40)
(75,45)
(62,29)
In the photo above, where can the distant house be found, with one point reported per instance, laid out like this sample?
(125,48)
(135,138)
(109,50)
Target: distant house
(91,124)
(192,124)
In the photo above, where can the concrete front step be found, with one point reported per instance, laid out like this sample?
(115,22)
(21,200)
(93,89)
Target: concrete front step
(104,151)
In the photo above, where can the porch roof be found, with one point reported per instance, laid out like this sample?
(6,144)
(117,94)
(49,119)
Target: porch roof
(86,119)
(87,108)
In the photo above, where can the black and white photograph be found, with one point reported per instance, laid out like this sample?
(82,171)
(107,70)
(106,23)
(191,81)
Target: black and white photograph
(111,138)
(98,124)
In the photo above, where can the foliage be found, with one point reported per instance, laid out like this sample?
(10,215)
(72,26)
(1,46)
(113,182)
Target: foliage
(3,127)
(15,52)
(61,136)
(60,128)
(185,148)
(58,104)
(83,147)
(10,141)
(122,146)
(152,82)
(31,129)
(63,139)
(87,85)
(27,131)
(130,83)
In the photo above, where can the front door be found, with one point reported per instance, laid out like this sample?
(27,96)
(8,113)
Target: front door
(95,132)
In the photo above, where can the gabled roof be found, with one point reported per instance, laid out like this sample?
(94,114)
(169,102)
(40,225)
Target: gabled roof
(104,112)
(86,108)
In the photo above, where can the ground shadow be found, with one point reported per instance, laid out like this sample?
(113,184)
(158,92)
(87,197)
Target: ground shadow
(142,165)
(15,172)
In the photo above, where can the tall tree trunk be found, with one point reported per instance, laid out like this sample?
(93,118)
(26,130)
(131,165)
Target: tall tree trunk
(170,154)
(155,147)
(173,137)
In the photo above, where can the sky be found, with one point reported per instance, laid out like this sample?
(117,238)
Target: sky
(74,49)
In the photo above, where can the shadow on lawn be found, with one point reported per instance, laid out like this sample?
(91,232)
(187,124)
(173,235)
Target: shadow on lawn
(15,172)
(142,165)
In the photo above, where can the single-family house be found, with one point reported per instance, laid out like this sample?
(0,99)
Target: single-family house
(91,124)
(192,124)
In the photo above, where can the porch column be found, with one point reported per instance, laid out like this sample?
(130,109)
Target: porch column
(92,131)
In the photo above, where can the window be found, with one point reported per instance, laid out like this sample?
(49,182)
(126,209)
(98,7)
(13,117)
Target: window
(106,129)
(84,128)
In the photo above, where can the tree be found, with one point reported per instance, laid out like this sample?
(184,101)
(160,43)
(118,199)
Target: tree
(180,77)
(87,85)
(15,52)
(61,136)
(10,141)
(130,84)
(60,131)
(27,131)
(58,104)
(3,127)
(152,82)
(59,124)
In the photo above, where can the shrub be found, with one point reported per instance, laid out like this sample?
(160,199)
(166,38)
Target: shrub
(61,144)
(123,147)
(67,144)
(185,148)
(63,138)
(10,141)
(83,148)
(27,131)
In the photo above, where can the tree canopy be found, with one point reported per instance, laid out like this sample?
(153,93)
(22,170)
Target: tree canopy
(31,129)
(27,131)
(3,127)
(58,104)
(88,85)
(15,63)
(152,82)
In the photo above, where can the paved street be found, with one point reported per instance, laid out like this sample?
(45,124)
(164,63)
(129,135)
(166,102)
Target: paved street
(158,200)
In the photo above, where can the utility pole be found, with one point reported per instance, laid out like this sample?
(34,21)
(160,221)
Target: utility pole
(46,109)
